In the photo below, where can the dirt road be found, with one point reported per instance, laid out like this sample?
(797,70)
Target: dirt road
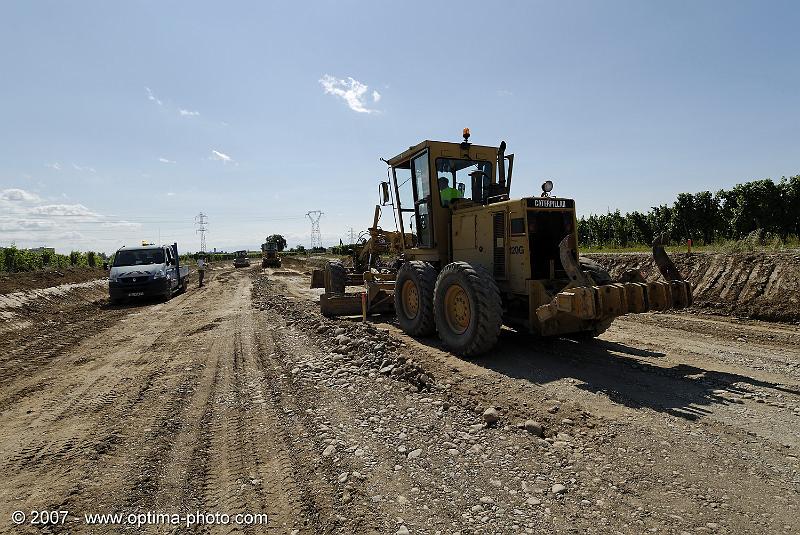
(239,398)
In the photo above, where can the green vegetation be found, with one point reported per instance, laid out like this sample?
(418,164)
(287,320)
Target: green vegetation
(278,240)
(13,260)
(757,215)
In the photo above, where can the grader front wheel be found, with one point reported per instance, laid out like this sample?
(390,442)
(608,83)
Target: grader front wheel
(467,308)
(413,298)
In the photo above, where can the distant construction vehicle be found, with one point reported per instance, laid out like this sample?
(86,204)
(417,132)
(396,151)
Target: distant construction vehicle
(376,252)
(241,259)
(269,255)
(478,259)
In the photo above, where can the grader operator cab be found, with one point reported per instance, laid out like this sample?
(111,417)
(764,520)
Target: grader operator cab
(269,255)
(478,259)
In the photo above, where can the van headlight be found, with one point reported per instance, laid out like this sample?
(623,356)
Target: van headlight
(159,274)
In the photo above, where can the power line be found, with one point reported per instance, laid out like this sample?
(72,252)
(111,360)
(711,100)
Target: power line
(202,220)
(316,236)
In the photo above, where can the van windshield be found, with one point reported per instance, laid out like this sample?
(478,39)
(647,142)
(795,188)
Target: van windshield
(139,257)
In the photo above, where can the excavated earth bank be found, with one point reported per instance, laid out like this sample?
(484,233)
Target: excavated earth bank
(763,286)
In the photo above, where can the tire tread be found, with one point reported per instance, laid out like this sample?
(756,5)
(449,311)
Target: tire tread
(425,273)
(488,303)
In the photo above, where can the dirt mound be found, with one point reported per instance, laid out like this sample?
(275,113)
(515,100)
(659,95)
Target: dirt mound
(31,280)
(309,262)
(763,286)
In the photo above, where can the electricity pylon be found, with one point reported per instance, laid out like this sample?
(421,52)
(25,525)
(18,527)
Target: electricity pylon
(316,237)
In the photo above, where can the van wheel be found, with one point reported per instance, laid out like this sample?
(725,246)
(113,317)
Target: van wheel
(468,309)
(413,298)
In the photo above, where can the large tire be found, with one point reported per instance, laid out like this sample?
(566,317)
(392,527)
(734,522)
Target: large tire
(599,274)
(335,278)
(413,298)
(468,309)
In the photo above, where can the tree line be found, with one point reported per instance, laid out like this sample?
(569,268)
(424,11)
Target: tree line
(14,260)
(763,207)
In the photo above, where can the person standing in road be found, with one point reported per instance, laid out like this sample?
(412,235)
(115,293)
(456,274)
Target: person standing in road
(201,269)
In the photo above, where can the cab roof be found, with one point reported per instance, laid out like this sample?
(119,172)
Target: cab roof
(405,155)
(140,247)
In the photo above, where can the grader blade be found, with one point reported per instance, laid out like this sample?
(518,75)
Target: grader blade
(585,301)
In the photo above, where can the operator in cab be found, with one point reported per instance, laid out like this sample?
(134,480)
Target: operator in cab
(446,193)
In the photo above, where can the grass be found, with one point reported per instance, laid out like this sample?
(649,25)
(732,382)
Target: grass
(753,242)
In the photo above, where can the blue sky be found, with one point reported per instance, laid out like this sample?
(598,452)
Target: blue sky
(122,121)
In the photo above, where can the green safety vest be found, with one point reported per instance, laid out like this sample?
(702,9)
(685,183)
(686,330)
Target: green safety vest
(448,194)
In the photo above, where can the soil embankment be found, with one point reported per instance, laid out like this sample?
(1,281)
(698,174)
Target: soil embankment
(763,286)
(32,280)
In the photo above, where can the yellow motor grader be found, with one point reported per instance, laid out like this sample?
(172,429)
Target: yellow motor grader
(269,255)
(473,259)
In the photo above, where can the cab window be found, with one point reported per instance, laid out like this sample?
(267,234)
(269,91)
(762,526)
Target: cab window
(422,196)
(463,179)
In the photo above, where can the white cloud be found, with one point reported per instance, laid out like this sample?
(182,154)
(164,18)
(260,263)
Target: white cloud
(72,236)
(80,168)
(18,195)
(350,90)
(170,194)
(188,113)
(151,96)
(30,225)
(64,210)
(220,156)
(30,221)
(164,160)
(504,93)
(55,166)
(121,224)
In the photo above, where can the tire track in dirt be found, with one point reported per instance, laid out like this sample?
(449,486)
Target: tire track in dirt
(675,387)
(300,406)
(100,440)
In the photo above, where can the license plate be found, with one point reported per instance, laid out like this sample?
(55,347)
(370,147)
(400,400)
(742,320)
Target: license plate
(135,294)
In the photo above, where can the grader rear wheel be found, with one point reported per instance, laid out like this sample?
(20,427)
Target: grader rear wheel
(457,311)
(468,309)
